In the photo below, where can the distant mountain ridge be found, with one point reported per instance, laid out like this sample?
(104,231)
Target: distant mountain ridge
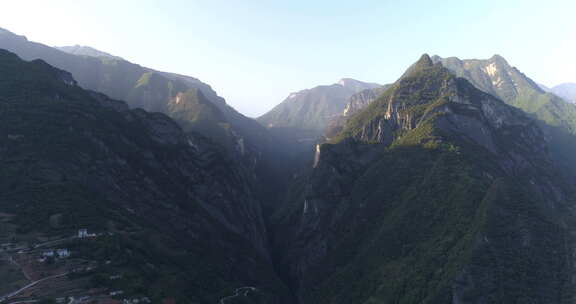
(566,91)
(312,109)
(86,51)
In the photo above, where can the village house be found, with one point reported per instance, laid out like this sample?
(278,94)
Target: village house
(116,292)
(83,233)
(63,253)
(60,253)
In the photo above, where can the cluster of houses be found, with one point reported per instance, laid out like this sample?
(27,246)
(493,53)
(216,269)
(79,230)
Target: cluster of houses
(55,253)
(64,253)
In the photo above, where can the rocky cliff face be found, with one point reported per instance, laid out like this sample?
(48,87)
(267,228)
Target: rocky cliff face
(436,193)
(91,161)
(356,103)
(556,117)
(362,99)
(495,76)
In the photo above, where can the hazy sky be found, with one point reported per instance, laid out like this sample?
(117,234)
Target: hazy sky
(254,53)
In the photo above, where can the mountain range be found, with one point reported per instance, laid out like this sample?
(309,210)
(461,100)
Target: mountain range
(454,184)
(73,159)
(312,109)
(141,87)
(192,103)
(432,194)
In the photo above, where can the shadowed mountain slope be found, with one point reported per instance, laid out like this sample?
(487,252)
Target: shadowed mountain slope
(179,215)
(437,192)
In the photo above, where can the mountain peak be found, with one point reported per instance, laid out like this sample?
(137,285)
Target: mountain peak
(356,85)
(347,81)
(499,59)
(424,61)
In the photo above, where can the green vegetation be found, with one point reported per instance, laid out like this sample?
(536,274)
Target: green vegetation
(75,159)
(556,116)
(431,212)
(150,90)
(423,210)
(195,113)
(422,89)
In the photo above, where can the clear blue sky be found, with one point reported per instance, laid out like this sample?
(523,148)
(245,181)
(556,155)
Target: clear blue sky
(254,53)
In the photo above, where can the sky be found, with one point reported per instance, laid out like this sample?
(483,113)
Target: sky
(255,53)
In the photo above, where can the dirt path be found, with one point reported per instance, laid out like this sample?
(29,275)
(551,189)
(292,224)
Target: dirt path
(14,293)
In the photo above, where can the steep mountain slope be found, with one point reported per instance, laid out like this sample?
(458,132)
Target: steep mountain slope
(566,91)
(184,99)
(435,193)
(355,104)
(312,109)
(362,99)
(139,86)
(85,51)
(557,117)
(495,76)
(175,215)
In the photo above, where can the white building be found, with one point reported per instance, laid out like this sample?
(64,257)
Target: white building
(82,233)
(63,253)
(116,293)
(60,253)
